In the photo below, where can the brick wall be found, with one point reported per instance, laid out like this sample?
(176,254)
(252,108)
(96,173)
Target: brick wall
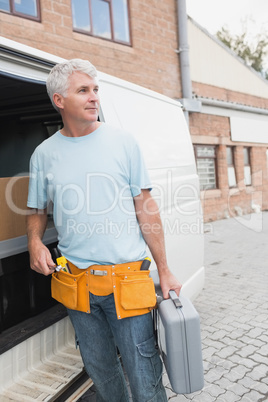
(151,61)
(240,200)
(209,91)
(209,125)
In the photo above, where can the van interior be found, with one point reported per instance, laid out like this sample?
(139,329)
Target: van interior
(27,118)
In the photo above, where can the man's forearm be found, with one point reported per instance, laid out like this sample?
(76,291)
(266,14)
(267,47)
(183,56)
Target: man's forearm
(36,225)
(151,227)
(152,230)
(40,257)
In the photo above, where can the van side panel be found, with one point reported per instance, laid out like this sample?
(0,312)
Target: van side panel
(156,121)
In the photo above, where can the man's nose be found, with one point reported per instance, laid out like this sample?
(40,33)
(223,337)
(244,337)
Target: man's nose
(94,97)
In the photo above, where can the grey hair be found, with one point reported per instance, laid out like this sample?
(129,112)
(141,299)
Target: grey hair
(58,78)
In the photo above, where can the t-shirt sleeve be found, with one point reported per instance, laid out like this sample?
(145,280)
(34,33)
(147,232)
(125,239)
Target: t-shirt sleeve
(37,194)
(139,175)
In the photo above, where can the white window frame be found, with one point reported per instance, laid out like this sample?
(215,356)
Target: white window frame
(207,183)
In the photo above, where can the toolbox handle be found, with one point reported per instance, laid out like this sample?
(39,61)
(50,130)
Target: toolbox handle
(175,299)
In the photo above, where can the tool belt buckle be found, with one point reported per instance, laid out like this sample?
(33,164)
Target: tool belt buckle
(98,272)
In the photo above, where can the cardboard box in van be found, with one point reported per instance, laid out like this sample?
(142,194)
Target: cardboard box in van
(13,198)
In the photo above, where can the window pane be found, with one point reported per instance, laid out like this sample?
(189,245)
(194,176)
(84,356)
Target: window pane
(206,173)
(27,7)
(230,160)
(246,156)
(120,19)
(247,175)
(4,5)
(80,11)
(231,177)
(203,151)
(101,19)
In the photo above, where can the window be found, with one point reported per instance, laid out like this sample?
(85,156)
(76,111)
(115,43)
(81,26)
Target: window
(23,8)
(247,168)
(206,166)
(231,167)
(108,19)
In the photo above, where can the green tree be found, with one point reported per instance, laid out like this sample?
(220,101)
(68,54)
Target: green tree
(253,51)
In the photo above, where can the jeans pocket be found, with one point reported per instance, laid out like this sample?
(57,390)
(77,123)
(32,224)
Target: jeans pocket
(150,364)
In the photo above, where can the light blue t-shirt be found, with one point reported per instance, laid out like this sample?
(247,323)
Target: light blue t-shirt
(91,181)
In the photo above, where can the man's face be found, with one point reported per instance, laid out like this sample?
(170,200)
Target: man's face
(82,101)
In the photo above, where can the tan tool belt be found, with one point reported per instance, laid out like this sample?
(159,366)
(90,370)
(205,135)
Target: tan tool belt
(134,291)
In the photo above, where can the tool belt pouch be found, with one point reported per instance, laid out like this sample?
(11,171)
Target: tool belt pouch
(71,290)
(134,293)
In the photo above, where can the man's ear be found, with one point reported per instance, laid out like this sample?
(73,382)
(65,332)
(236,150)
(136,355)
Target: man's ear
(58,100)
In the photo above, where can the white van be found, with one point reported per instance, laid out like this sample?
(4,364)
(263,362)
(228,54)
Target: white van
(38,359)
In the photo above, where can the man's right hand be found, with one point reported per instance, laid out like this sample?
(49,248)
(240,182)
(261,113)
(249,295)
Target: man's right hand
(40,258)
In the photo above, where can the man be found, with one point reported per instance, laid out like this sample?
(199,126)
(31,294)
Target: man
(95,176)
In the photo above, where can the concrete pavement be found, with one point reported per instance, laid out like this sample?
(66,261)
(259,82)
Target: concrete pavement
(233,310)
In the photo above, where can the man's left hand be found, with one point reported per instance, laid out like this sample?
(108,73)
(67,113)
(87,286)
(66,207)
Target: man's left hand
(169,282)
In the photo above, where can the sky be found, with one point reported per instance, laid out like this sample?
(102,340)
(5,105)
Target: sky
(213,14)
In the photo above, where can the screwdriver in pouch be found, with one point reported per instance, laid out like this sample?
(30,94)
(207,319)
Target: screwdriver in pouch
(145,264)
(62,264)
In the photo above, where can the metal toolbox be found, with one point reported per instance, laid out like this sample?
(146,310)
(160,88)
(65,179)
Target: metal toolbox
(179,340)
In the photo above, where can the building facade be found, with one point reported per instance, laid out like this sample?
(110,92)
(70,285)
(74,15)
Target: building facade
(144,51)
(230,135)
(139,41)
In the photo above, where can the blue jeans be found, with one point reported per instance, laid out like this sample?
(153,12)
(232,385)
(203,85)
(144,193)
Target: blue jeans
(100,333)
